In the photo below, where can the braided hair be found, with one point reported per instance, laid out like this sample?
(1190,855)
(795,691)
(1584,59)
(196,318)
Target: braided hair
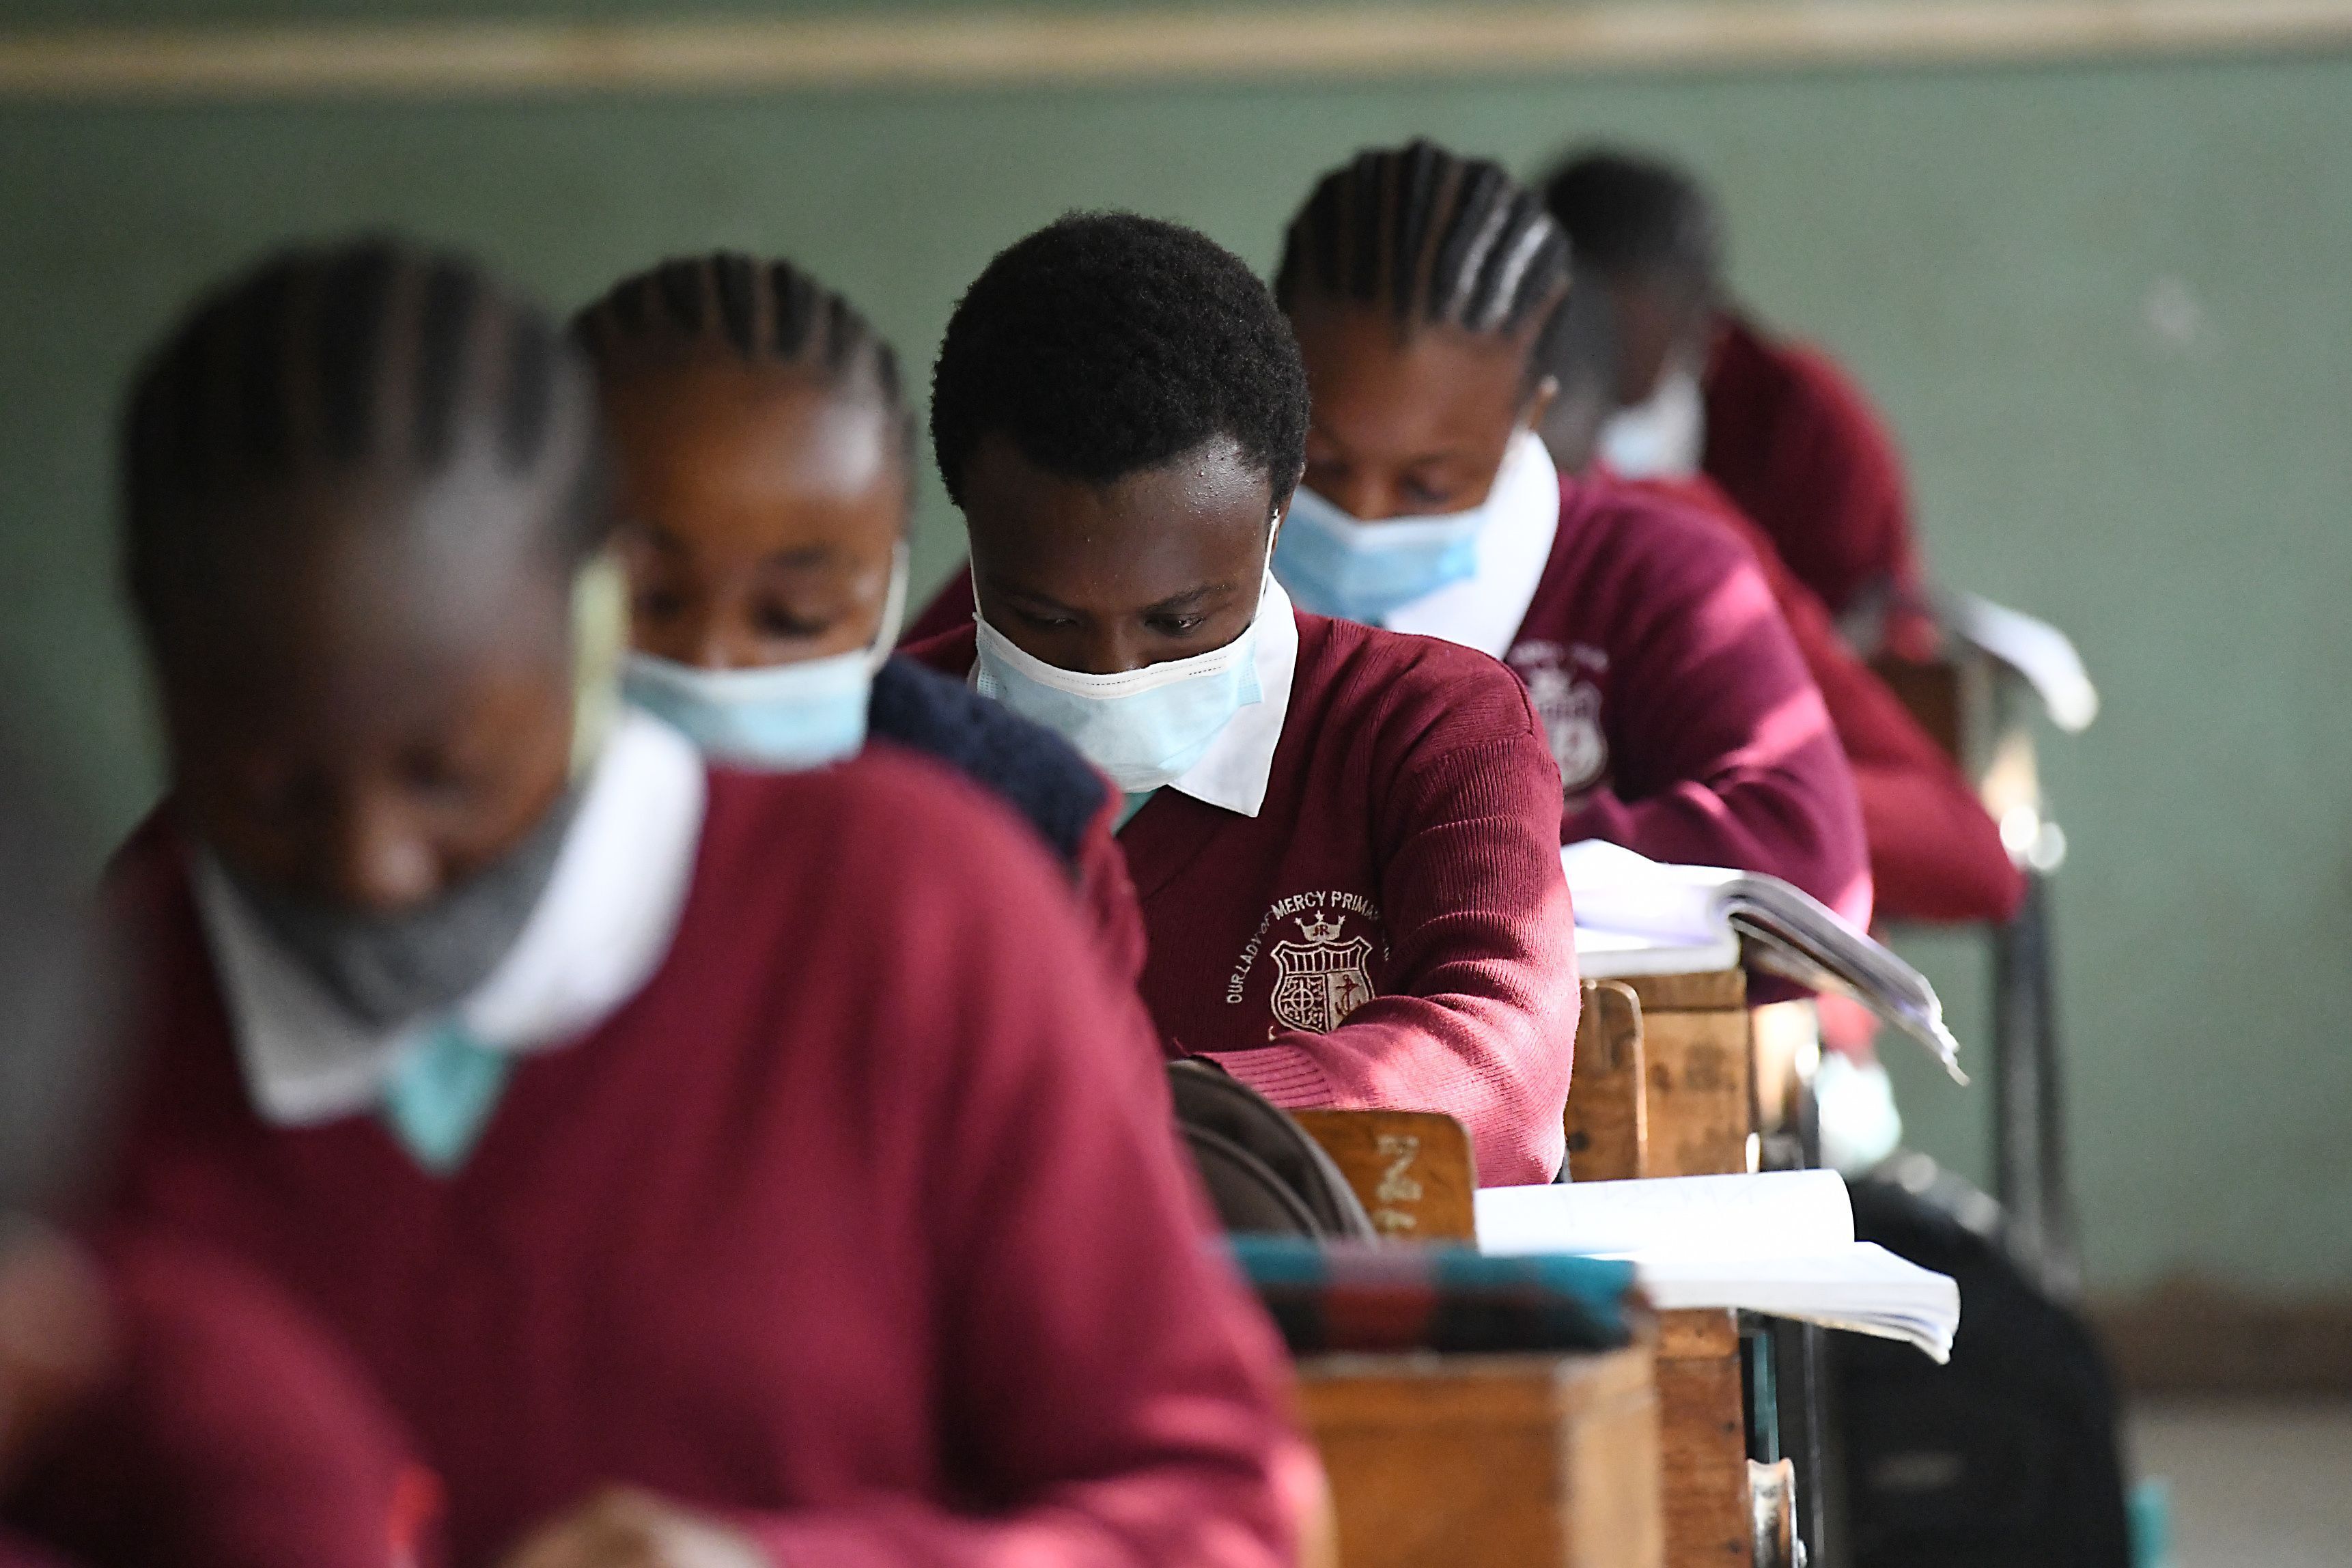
(365,363)
(1433,238)
(758,312)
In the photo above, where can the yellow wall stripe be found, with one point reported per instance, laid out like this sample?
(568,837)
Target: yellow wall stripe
(989,48)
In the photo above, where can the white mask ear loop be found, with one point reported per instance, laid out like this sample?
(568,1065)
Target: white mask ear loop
(893,610)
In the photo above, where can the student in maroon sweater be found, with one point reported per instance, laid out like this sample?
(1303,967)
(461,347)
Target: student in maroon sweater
(764,484)
(1343,839)
(1935,853)
(1778,425)
(703,1167)
(1423,287)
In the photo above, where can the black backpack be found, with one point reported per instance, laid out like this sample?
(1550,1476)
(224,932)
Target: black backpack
(1265,1176)
(2007,1456)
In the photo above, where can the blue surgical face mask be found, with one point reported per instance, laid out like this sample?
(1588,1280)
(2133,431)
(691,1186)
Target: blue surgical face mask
(1144,728)
(1334,564)
(783,717)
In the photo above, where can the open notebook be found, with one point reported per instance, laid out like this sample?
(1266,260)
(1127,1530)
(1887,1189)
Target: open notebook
(1639,916)
(1780,1244)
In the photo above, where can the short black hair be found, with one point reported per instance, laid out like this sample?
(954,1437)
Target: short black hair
(1106,344)
(1633,216)
(1430,237)
(358,362)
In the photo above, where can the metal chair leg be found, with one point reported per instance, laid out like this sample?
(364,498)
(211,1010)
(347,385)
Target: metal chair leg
(2029,1121)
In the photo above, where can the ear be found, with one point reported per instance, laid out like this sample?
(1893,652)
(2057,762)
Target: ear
(1539,401)
(1280,511)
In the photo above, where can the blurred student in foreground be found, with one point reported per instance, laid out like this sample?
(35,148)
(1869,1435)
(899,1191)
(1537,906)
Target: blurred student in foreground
(150,1391)
(1701,387)
(1343,839)
(1425,288)
(702,1167)
(763,467)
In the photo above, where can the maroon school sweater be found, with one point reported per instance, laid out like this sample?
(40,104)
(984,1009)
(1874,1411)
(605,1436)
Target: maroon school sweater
(856,1222)
(1677,705)
(1795,442)
(1392,928)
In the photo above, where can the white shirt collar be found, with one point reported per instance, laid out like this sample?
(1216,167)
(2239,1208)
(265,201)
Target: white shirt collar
(1484,610)
(600,929)
(1233,772)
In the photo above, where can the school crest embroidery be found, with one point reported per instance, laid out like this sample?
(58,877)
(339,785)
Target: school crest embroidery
(1318,981)
(1569,707)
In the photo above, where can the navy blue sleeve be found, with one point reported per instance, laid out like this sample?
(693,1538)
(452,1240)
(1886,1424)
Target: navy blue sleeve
(1028,766)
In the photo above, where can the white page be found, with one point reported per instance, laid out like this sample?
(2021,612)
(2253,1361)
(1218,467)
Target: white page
(1862,1288)
(1617,955)
(1776,1213)
(2036,649)
(1615,890)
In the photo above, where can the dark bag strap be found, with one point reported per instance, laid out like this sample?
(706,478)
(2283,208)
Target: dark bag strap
(1265,1174)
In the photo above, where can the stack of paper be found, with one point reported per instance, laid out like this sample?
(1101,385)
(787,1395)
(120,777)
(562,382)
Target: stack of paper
(1780,1244)
(1639,916)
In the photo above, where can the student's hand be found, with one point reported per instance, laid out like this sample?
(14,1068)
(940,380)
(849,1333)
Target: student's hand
(56,1336)
(624,1529)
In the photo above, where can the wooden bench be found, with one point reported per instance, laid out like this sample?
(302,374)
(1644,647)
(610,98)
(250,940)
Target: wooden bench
(1490,1461)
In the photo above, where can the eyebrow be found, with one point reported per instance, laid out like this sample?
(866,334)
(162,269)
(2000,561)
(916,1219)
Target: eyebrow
(1443,455)
(1174,602)
(802,555)
(1186,599)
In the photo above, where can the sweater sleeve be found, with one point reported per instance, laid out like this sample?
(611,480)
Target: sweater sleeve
(235,1432)
(1935,855)
(1724,753)
(1103,1379)
(1477,1015)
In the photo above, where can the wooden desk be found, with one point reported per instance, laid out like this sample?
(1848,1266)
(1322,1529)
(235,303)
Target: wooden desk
(1702,1442)
(1608,1100)
(1413,1170)
(1490,1461)
(1689,1044)
(1700,1100)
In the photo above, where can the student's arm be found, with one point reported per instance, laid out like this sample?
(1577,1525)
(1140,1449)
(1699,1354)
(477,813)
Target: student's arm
(1722,751)
(1103,1381)
(1477,1017)
(233,1432)
(1935,855)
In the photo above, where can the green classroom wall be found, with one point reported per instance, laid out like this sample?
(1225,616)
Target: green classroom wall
(2109,308)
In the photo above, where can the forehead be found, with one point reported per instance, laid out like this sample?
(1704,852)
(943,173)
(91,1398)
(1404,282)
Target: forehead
(1167,527)
(726,434)
(375,576)
(1375,381)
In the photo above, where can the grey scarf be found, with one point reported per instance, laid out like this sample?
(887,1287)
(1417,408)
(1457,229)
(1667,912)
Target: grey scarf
(388,969)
